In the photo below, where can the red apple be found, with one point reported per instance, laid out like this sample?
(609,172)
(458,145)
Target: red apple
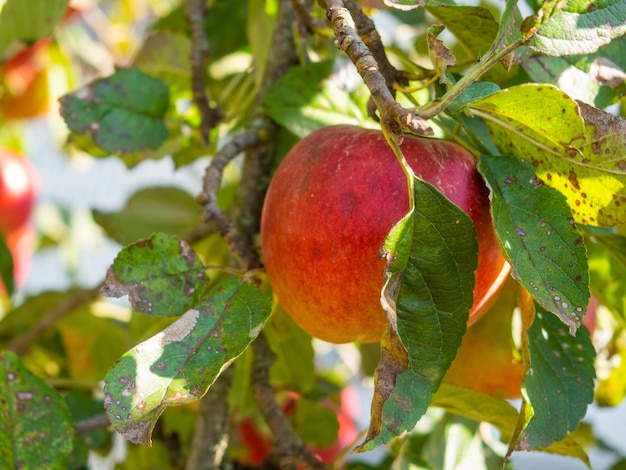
(255,441)
(328,210)
(19,185)
(21,244)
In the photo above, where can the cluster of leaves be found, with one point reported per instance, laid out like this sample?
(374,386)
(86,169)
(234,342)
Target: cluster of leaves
(525,97)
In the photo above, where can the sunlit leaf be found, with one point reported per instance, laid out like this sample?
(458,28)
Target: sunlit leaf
(162,276)
(567,144)
(35,429)
(28,21)
(539,236)
(500,413)
(303,100)
(179,364)
(607,268)
(581,27)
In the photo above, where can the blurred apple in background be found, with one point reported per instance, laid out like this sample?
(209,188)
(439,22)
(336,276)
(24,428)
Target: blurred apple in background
(255,442)
(19,186)
(24,91)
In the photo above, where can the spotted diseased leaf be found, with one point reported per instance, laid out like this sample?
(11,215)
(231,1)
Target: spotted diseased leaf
(539,236)
(161,275)
(577,151)
(580,27)
(559,384)
(428,300)
(179,364)
(121,114)
(36,428)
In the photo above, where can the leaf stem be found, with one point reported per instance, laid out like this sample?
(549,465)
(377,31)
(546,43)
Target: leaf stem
(492,57)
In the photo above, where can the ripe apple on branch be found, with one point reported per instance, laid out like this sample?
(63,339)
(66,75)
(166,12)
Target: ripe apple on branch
(330,205)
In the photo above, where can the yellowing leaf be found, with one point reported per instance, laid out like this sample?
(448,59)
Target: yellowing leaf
(576,150)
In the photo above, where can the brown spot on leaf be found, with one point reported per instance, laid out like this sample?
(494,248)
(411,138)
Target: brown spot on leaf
(573,178)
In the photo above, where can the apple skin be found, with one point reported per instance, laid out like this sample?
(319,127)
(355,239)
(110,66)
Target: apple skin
(486,361)
(328,209)
(19,186)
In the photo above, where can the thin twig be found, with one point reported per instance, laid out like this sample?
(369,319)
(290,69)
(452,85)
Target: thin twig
(21,343)
(210,437)
(195,11)
(367,31)
(304,17)
(394,117)
(290,450)
(211,211)
(91,424)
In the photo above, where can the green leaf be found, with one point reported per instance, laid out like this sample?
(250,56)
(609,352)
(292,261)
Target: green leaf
(294,367)
(458,442)
(475,92)
(607,269)
(567,143)
(162,276)
(28,21)
(581,27)
(122,113)
(474,27)
(36,429)
(559,384)
(6,267)
(303,100)
(539,236)
(150,210)
(179,364)
(434,295)
(500,413)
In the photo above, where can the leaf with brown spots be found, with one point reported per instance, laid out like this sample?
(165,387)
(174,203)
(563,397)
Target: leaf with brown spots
(539,237)
(161,275)
(575,150)
(558,385)
(36,428)
(120,114)
(179,364)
